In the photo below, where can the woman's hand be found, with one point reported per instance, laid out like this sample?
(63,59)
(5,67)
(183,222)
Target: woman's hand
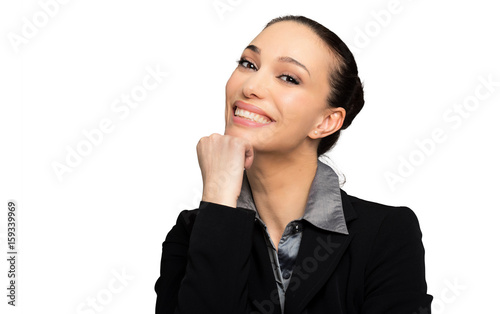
(222,159)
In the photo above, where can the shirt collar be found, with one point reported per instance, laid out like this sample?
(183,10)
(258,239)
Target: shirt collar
(324,204)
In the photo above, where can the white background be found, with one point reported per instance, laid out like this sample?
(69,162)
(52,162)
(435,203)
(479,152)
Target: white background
(419,61)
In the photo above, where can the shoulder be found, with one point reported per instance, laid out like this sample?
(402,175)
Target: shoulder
(187,218)
(384,236)
(183,226)
(367,216)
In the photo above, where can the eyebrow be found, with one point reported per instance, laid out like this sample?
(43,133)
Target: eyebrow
(281,59)
(253,48)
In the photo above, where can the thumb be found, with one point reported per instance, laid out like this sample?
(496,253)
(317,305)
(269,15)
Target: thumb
(249,154)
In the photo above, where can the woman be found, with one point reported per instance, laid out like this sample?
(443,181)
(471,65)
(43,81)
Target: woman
(274,232)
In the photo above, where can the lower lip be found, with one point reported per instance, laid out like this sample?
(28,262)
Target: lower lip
(246,122)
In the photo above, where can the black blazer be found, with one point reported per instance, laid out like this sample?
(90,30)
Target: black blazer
(215,260)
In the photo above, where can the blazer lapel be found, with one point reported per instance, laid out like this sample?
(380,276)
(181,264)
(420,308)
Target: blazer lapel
(319,254)
(262,289)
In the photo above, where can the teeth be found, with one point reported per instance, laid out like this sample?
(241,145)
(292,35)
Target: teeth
(251,116)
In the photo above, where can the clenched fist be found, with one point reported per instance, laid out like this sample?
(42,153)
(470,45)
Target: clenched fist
(222,159)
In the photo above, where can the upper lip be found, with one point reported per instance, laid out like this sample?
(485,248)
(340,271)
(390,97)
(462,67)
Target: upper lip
(245,106)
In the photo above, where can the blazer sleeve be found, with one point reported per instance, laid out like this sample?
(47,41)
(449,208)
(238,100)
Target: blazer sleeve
(205,270)
(395,273)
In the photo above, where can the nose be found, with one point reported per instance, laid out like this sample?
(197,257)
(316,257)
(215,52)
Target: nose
(255,85)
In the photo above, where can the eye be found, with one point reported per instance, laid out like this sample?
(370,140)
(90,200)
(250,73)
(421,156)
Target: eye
(289,79)
(246,64)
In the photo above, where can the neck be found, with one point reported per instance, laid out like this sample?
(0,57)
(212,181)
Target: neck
(280,187)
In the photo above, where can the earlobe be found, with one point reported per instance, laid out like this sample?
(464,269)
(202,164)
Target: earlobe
(315,134)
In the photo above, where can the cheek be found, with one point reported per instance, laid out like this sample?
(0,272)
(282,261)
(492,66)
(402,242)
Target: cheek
(232,85)
(297,110)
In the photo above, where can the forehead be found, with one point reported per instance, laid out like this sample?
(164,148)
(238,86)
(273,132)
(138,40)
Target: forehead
(298,41)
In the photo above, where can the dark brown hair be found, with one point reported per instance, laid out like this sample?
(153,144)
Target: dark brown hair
(346,88)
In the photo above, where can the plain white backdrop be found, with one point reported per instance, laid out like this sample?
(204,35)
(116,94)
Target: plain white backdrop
(93,214)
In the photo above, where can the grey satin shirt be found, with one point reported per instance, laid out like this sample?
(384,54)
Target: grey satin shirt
(323,210)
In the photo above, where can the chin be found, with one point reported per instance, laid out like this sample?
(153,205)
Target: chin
(241,133)
(238,132)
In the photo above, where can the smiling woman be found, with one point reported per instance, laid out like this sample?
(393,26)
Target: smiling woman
(274,233)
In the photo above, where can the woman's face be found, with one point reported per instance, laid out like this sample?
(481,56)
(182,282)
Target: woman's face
(281,83)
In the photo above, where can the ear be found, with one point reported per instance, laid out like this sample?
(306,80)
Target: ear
(332,122)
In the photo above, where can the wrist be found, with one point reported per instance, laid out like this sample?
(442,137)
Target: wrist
(225,200)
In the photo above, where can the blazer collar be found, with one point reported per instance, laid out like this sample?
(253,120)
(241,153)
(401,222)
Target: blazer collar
(349,212)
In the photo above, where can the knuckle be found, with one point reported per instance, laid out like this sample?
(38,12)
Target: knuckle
(200,142)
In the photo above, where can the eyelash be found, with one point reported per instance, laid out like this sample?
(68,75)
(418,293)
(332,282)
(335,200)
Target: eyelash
(242,61)
(290,79)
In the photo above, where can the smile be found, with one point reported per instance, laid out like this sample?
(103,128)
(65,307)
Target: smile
(251,116)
